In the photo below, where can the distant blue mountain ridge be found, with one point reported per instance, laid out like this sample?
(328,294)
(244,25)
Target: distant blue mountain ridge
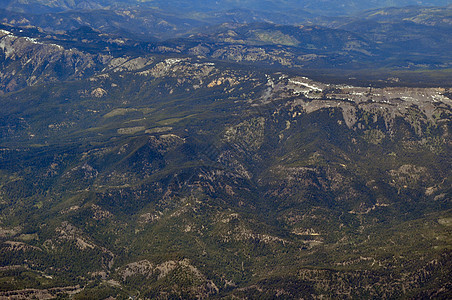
(321,7)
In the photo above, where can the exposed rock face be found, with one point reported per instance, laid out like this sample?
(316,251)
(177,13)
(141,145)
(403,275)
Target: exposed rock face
(362,106)
(27,62)
(201,287)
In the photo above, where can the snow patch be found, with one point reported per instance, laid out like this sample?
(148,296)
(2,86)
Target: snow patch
(312,87)
(6,32)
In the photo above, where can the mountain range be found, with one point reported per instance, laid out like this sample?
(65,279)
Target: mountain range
(149,153)
(324,7)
